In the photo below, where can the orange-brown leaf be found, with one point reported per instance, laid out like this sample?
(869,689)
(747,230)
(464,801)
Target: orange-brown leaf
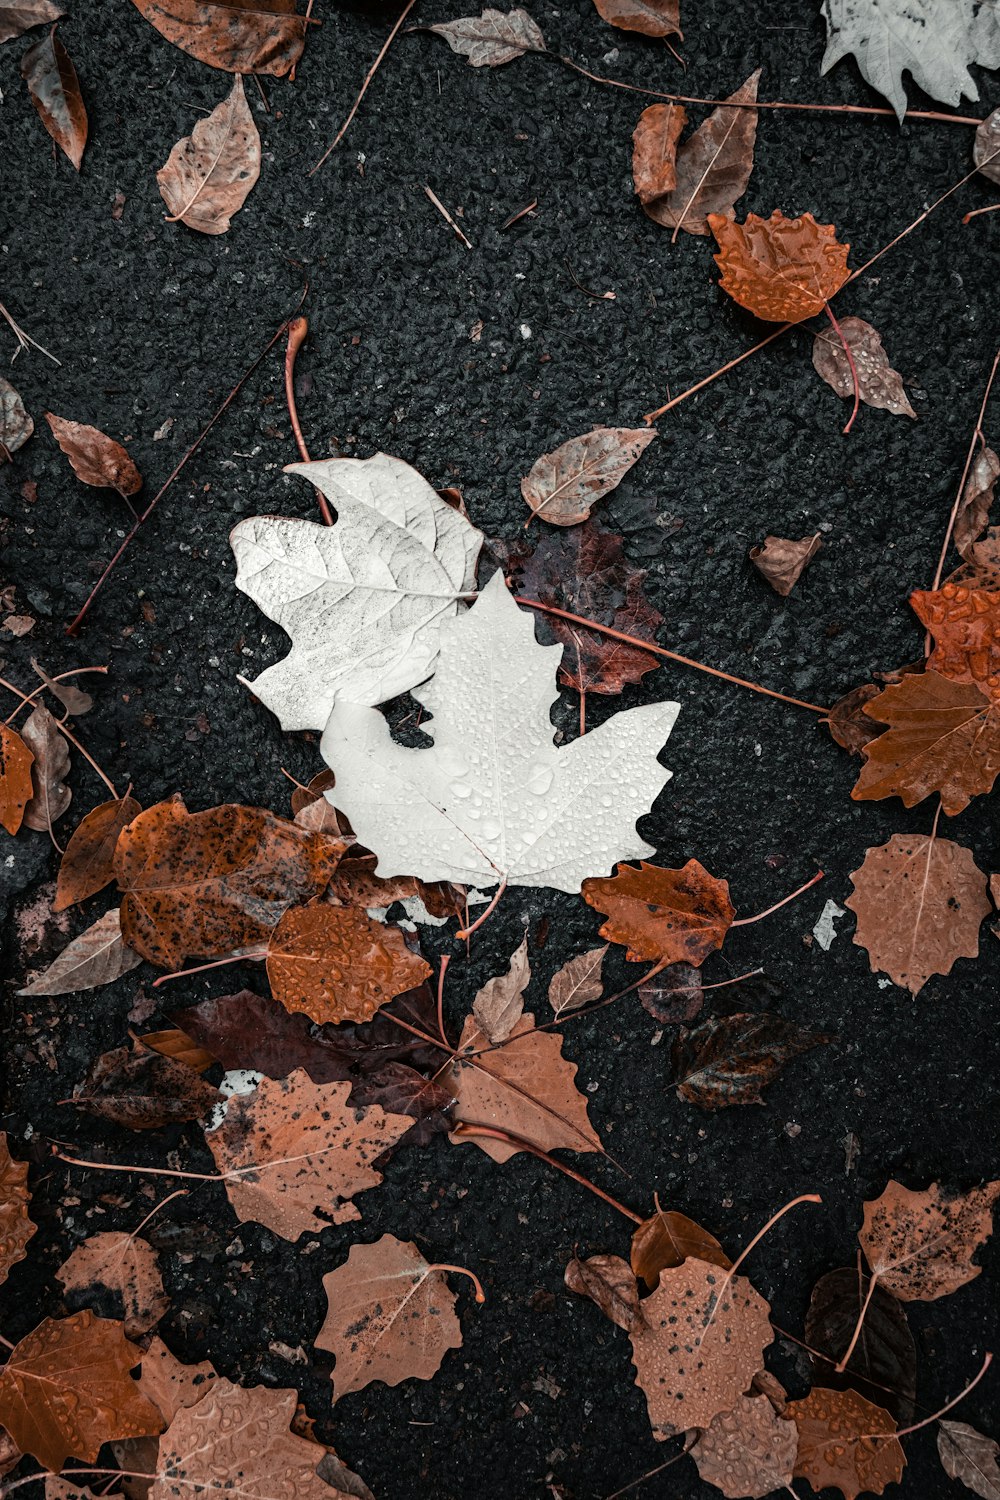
(649,17)
(781,270)
(96,459)
(836,1449)
(88,863)
(66,1389)
(122,1266)
(965,624)
(654,150)
(713,165)
(335,963)
(671,916)
(179,1047)
(15,778)
(239,36)
(16,1228)
(48,71)
(920,1244)
(667,1240)
(199,885)
(782,561)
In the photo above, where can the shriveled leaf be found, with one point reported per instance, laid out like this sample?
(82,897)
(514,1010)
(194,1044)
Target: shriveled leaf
(16,425)
(98,956)
(526,1087)
(562,486)
(493,38)
(920,1244)
(73,699)
(16,1228)
(144,1091)
(782,561)
(610,1282)
(584,571)
(391,1316)
(669,915)
(95,458)
(781,270)
(87,865)
(986,148)
(493,799)
(747,1451)
(713,166)
(975,502)
(730,1059)
(668,1239)
(48,71)
(334,963)
(311,810)
(578,982)
(650,17)
(837,1446)
(17,16)
(16,788)
(654,150)
(500,1003)
(883,1365)
(702,1343)
(120,1266)
(50,795)
(971,1457)
(66,1389)
(209,173)
(363,601)
(356,884)
(239,36)
(178,1045)
(919,904)
(294,1153)
(200,885)
(674,995)
(849,723)
(879,385)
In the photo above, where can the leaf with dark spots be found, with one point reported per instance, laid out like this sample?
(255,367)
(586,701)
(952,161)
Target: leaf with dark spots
(585,572)
(96,459)
(730,1059)
(16,789)
(87,866)
(671,916)
(238,36)
(883,1366)
(609,1282)
(668,1239)
(674,995)
(48,71)
(356,884)
(121,1269)
(144,1091)
(208,174)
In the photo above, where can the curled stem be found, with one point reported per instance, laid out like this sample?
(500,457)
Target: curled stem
(749,921)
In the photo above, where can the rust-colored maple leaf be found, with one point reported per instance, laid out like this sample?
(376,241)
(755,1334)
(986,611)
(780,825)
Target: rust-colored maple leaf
(169,1385)
(88,864)
(667,1240)
(293,1153)
(124,1267)
(965,624)
(670,916)
(838,1443)
(335,963)
(920,1244)
(919,903)
(200,885)
(781,270)
(391,1316)
(66,1389)
(749,1451)
(701,1345)
(16,1228)
(15,778)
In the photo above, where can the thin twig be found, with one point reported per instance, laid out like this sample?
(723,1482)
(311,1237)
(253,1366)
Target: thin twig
(24,340)
(447,216)
(364,87)
(467,1129)
(297,330)
(748,921)
(87,757)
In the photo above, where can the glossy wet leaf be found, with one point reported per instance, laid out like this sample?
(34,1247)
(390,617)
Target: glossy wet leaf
(499,1005)
(649,17)
(669,916)
(971,1457)
(920,1244)
(562,487)
(209,173)
(16,425)
(849,723)
(177,1045)
(730,1059)
(965,624)
(781,270)
(95,458)
(334,963)
(879,385)
(50,796)
(144,1091)
(16,788)
(668,1239)
(98,956)
(883,1366)
(749,1451)
(493,38)
(16,1227)
(239,36)
(610,1283)
(121,1268)
(712,167)
(48,71)
(579,981)
(835,1448)
(87,865)
(782,561)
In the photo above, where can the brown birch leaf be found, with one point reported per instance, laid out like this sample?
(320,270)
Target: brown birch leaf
(50,795)
(920,1244)
(836,1446)
(492,39)
(609,1282)
(209,173)
(562,486)
(728,1060)
(672,916)
(48,71)
(18,16)
(87,866)
(500,1003)
(654,151)
(98,956)
(879,385)
(578,982)
(335,963)
(16,1228)
(747,1451)
(238,36)
(782,561)
(124,1267)
(668,1239)
(649,17)
(16,789)
(919,904)
(976,500)
(16,425)
(971,1457)
(713,166)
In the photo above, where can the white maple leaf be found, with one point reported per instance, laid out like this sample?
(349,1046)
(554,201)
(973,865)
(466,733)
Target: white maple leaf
(363,599)
(933,40)
(493,800)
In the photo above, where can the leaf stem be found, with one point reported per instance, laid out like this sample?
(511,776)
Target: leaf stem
(850,365)
(217,963)
(364,87)
(905,1431)
(37,692)
(462,1271)
(749,921)
(845,1358)
(465,932)
(445,961)
(468,1129)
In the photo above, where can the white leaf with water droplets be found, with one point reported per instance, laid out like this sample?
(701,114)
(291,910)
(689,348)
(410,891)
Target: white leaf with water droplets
(363,599)
(493,799)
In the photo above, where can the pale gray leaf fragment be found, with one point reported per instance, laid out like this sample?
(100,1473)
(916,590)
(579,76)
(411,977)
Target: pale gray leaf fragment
(209,173)
(16,425)
(970,1456)
(879,385)
(500,1003)
(94,958)
(493,38)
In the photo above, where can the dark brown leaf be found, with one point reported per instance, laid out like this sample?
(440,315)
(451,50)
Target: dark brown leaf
(610,1282)
(883,1366)
(239,36)
(674,996)
(73,699)
(48,71)
(667,1239)
(848,722)
(401,1090)
(50,795)
(782,561)
(730,1059)
(96,459)
(144,1091)
(88,863)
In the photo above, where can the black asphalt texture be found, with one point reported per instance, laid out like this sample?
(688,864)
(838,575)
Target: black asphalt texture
(468,364)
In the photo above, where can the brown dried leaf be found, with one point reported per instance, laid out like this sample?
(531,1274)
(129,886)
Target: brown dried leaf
(16,425)
(98,956)
(654,150)
(562,486)
(200,885)
(500,1003)
(578,982)
(703,1343)
(170,1385)
(494,38)
(920,1244)
(782,270)
(334,963)
(879,385)
(294,1153)
(144,1091)
(986,146)
(125,1267)
(835,1446)
(667,1240)
(66,1389)
(178,1046)
(73,699)
(525,1087)
(88,863)
(16,788)
(96,459)
(713,165)
(16,1228)
(48,71)
(610,1282)
(209,173)
(17,16)
(669,915)
(650,17)
(675,996)
(391,1316)
(239,36)
(747,1451)
(919,903)
(730,1059)
(848,722)
(50,795)
(782,561)
(969,1456)
(976,500)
